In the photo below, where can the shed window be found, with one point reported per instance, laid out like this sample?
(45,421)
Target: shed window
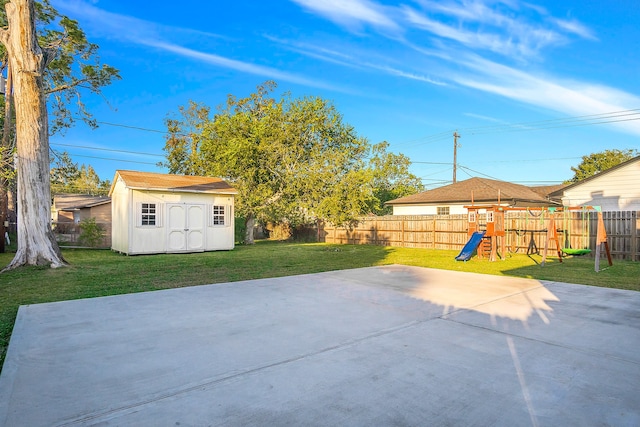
(148,214)
(217,215)
(443,210)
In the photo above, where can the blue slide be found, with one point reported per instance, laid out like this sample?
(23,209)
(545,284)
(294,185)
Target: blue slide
(474,241)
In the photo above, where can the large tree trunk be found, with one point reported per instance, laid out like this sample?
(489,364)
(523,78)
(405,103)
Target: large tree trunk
(36,243)
(250,222)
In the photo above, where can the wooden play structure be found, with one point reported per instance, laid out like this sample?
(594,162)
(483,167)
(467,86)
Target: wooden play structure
(493,244)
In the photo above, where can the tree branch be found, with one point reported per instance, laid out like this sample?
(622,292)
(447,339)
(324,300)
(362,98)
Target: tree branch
(67,86)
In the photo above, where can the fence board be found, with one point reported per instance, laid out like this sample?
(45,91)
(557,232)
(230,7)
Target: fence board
(576,229)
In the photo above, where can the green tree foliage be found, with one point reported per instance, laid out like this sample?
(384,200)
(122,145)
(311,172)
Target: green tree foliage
(63,65)
(291,160)
(67,178)
(597,162)
(72,65)
(183,140)
(391,178)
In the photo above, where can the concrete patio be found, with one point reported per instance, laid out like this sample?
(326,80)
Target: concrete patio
(391,345)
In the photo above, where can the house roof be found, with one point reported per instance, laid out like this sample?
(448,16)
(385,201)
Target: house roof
(72,202)
(172,183)
(559,192)
(482,190)
(547,190)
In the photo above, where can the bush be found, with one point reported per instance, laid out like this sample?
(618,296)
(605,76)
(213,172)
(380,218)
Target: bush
(91,233)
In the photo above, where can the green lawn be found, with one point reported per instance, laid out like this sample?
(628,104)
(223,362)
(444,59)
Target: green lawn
(95,273)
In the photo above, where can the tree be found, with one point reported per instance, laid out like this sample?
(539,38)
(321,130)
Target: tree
(291,160)
(50,60)
(89,182)
(391,178)
(183,139)
(599,162)
(67,178)
(63,174)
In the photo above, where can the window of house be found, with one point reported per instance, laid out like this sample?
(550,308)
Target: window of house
(443,210)
(217,215)
(148,214)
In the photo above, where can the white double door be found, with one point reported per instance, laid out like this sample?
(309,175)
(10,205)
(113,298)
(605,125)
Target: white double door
(186,227)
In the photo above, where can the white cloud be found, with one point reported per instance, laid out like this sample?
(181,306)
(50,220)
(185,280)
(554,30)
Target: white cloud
(352,61)
(241,66)
(575,27)
(476,26)
(568,97)
(150,34)
(351,13)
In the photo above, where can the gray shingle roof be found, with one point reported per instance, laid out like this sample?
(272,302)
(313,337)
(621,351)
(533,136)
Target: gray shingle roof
(482,190)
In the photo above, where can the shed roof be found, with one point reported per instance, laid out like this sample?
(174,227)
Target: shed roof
(480,189)
(172,183)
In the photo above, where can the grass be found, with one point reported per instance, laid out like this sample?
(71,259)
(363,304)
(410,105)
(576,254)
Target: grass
(95,273)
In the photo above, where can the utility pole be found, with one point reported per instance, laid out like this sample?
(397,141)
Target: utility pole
(455,154)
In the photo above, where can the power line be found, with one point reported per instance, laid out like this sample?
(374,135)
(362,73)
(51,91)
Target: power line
(585,120)
(107,149)
(133,127)
(590,119)
(115,160)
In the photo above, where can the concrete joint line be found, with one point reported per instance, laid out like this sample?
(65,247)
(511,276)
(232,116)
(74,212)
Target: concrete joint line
(106,415)
(552,343)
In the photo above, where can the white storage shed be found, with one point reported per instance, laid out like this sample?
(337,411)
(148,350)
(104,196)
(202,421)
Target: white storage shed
(156,213)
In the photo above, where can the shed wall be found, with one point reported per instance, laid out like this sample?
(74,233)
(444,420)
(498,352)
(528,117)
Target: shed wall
(154,239)
(120,201)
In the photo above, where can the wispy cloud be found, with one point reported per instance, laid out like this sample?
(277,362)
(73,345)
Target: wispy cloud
(552,93)
(241,66)
(501,30)
(575,27)
(353,61)
(482,44)
(352,13)
(150,34)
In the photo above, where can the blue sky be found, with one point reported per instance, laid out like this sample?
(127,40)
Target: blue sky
(522,82)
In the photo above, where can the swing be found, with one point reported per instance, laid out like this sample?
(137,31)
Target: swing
(585,250)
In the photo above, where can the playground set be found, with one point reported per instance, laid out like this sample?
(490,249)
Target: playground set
(491,241)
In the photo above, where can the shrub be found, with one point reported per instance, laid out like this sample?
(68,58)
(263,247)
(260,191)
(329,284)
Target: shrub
(91,233)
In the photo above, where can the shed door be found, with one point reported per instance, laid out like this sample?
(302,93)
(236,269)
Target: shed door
(185,228)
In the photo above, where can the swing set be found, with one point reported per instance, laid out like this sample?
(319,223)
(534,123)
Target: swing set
(493,242)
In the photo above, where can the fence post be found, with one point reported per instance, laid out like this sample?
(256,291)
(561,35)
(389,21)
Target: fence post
(634,236)
(434,232)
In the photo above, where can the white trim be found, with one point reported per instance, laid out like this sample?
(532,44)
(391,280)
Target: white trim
(225,215)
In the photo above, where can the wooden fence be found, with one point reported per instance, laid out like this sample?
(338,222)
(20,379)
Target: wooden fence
(68,233)
(525,231)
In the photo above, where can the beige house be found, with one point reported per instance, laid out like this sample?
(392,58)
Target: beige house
(615,189)
(159,213)
(452,199)
(77,207)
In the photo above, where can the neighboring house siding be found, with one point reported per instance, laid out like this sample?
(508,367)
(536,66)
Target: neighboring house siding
(618,190)
(101,213)
(427,209)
